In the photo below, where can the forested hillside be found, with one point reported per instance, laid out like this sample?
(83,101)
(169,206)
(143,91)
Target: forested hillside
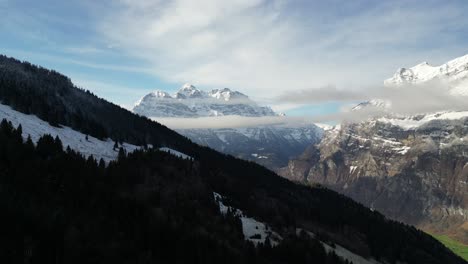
(150,206)
(53,98)
(58,207)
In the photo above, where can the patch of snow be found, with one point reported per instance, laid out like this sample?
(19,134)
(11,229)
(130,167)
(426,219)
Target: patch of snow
(412,123)
(259,156)
(346,254)
(176,153)
(36,128)
(387,141)
(253,230)
(341,251)
(325,127)
(402,150)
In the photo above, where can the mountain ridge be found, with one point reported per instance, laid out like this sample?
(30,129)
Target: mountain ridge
(190,102)
(454,74)
(411,168)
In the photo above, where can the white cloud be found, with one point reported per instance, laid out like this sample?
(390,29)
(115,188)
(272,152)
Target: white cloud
(265,48)
(231,122)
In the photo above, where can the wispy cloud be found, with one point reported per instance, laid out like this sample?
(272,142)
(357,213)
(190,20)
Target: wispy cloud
(83,50)
(264,48)
(270,47)
(77,61)
(321,95)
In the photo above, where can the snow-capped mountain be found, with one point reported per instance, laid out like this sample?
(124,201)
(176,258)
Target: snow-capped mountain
(452,76)
(269,145)
(192,102)
(453,73)
(411,168)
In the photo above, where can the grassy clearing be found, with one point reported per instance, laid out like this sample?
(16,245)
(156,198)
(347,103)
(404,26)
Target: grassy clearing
(457,247)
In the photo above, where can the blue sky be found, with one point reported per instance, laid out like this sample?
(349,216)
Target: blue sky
(123,49)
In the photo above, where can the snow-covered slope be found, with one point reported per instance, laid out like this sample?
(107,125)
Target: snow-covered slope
(35,127)
(413,122)
(192,102)
(87,145)
(454,73)
(176,153)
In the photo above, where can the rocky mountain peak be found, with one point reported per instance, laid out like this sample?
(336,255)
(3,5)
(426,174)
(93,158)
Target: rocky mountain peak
(189,91)
(193,102)
(454,73)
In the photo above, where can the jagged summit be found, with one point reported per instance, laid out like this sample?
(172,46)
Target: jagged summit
(190,101)
(454,73)
(189,91)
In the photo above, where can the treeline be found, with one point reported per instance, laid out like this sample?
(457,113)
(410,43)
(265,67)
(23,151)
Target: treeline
(147,207)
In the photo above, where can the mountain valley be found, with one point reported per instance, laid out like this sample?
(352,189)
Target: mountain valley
(166,199)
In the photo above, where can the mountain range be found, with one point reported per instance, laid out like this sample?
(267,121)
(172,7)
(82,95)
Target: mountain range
(410,168)
(270,145)
(160,197)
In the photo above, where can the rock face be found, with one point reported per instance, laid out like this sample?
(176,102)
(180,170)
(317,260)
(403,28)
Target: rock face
(418,175)
(270,145)
(410,168)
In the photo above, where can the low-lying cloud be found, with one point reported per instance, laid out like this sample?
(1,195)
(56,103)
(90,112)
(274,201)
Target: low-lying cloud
(233,121)
(320,95)
(397,101)
(404,100)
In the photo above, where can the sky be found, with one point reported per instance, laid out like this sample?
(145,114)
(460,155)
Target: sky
(267,49)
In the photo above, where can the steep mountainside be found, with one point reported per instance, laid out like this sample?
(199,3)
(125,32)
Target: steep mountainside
(151,206)
(268,145)
(417,175)
(410,168)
